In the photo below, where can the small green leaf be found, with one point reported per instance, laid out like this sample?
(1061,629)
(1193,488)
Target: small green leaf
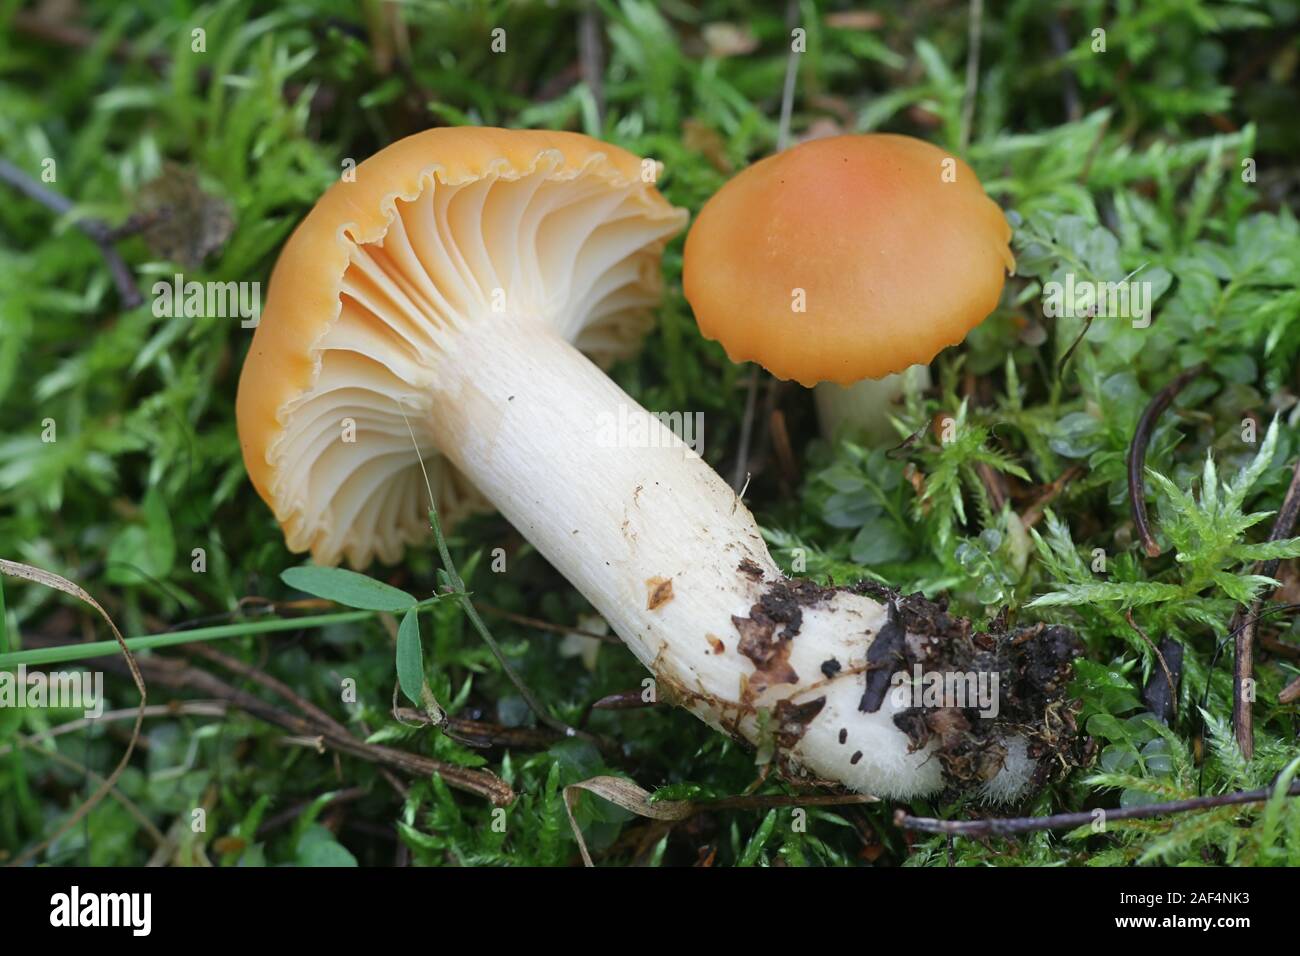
(1126,594)
(879,543)
(1268,550)
(843,479)
(754,848)
(1104,725)
(1077,435)
(318,847)
(145,550)
(1273,809)
(410,658)
(348,588)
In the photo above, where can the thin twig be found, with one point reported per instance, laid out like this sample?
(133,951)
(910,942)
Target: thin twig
(791,79)
(461,594)
(1049,494)
(1164,666)
(765,450)
(1214,662)
(624,700)
(1280,648)
(765,801)
(266,680)
(1088,316)
(273,823)
(110,789)
(481,734)
(739,477)
(1137,455)
(784,451)
(97,231)
(994,483)
(459,591)
(188,708)
(541,625)
(62,33)
(1290,693)
(591,56)
(176,674)
(1008,826)
(59,583)
(1061,47)
(1243,658)
(972,71)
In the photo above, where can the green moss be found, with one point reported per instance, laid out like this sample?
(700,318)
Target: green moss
(147,466)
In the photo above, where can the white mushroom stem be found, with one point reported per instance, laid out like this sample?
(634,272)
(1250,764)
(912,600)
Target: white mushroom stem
(865,406)
(527,418)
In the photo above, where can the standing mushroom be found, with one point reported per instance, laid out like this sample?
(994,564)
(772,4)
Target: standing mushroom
(849,262)
(444,286)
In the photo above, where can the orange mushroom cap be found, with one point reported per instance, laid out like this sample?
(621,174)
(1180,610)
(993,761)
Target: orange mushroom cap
(431,235)
(888,243)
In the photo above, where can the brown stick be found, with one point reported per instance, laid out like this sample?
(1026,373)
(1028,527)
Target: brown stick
(30,743)
(1281,648)
(783,450)
(1007,826)
(98,232)
(266,680)
(1290,693)
(292,813)
(591,56)
(1243,624)
(1049,494)
(70,35)
(976,19)
(1164,667)
(739,477)
(1137,455)
(478,733)
(541,625)
(174,673)
(188,708)
(127,664)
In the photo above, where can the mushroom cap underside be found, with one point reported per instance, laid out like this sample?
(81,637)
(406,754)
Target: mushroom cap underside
(444,228)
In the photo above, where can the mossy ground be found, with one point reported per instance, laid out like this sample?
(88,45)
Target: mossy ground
(1173,152)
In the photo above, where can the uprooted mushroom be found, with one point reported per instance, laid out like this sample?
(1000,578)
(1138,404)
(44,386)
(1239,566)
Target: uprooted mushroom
(453,285)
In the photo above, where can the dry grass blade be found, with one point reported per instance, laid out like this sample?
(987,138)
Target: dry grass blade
(26,572)
(622,793)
